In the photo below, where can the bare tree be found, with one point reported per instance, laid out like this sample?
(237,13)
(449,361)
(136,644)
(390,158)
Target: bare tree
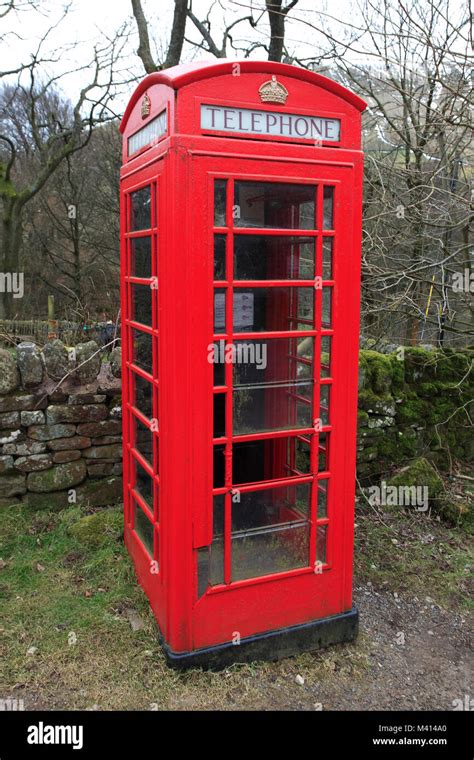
(217,44)
(175,46)
(37,134)
(411,62)
(73,226)
(277,14)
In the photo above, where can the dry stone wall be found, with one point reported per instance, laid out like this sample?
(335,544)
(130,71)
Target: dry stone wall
(60,442)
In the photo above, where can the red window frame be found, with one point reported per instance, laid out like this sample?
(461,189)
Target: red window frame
(310,434)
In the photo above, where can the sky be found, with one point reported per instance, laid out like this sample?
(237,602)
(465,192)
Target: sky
(91,22)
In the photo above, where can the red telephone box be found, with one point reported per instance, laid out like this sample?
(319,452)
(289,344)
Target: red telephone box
(241,195)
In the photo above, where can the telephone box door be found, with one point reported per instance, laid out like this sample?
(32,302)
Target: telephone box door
(276,341)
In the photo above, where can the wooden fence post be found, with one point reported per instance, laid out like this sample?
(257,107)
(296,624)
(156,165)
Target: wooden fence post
(52,322)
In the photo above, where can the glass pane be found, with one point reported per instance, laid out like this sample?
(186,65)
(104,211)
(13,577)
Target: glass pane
(324,394)
(219,415)
(327,258)
(323,458)
(326,356)
(272,309)
(141,209)
(219,467)
(271,507)
(143,484)
(322,498)
(220,187)
(267,408)
(141,304)
(328,208)
(219,257)
(269,551)
(273,257)
(326,317)
(321,543)
(273,204)
(143,396)
(216,570)
(140,264)
(142,350)
(148,134)
(299,456)
(218,358)
(218,515)
(144,529)
(268,459)
(219,310)
(303,414)
(143,439)
(270,531)
(270,382)
(272,360)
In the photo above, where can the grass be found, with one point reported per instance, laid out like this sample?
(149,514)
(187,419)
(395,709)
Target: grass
(70,601)
(414,554)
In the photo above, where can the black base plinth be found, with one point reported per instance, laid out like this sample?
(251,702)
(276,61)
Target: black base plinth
(273,645)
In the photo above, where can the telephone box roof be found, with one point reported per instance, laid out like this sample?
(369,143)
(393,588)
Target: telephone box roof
(186,73)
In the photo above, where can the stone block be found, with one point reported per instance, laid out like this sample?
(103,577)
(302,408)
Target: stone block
(77,414)
(58,478)
(50,432)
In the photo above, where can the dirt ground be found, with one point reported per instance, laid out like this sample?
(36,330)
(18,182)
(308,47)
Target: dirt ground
(413,651)
(419,657)
(410,655)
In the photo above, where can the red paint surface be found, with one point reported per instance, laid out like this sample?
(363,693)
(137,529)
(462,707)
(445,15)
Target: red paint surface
(181,168)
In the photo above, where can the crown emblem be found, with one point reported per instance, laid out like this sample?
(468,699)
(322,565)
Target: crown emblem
(146,106)
(273,92)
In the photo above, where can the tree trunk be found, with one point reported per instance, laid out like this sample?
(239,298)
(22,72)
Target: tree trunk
(76,241)
(9,255)
(416,222)
(276,18)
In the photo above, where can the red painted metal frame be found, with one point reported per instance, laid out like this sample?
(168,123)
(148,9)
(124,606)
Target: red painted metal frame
(183,166)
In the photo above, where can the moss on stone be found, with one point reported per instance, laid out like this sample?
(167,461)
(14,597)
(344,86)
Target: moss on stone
(454,364)
(458,513)
(369,400)
(420,473)
(420,365)
(97,529)
(368,454)
(411,410)
(379,370)
(438,366)
(438,410)
(427,389)
(397,448)
(398,372)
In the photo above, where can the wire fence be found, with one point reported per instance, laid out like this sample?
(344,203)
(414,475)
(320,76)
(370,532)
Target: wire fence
(13,331)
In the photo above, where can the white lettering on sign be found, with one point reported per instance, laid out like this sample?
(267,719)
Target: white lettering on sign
(243,311)
(244,120)
(148,134)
